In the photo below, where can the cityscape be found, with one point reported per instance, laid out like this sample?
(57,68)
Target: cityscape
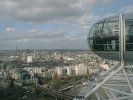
(59,70)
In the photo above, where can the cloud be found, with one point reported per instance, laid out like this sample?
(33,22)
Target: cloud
(72,17)
(45,10)
(38,10)
(127,9)
(86,20)
(10,29)
(29,35)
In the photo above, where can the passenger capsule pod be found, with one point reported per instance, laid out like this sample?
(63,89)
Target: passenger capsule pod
(107,35)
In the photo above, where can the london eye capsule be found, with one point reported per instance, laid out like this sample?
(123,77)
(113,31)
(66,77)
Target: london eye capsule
(107,35)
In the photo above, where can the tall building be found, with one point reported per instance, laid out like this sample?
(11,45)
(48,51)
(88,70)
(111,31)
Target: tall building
(29,59)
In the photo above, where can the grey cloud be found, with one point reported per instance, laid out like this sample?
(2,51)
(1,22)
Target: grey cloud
(30,35)
(39,10)
(127,9)
(71,14)
(45,10)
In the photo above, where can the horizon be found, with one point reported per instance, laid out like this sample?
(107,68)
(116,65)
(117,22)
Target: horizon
(46,49)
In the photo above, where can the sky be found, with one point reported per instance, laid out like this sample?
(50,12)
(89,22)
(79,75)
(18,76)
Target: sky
(53,24)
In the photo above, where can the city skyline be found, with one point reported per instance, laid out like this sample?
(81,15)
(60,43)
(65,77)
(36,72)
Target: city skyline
(53,24)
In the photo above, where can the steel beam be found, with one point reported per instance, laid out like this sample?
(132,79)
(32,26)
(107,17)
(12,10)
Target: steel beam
(100,84)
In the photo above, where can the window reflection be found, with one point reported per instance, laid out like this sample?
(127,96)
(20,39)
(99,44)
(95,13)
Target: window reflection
(129,34)
(104,36)
(95,37)
(111,28)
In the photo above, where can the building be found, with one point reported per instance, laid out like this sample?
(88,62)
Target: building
(81,69)
(29,59)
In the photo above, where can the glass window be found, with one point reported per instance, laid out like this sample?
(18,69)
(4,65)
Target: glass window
(104,36)
(111,28)
(129,34)
(111,43)
(96,30)
(90,43)
(95,35)
(129,27)
(98,44)
(129,30)
(94,39)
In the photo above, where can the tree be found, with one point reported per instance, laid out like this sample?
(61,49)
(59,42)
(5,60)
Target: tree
(12,86)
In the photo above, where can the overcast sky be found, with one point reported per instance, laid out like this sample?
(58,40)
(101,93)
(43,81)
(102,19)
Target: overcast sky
(52,24)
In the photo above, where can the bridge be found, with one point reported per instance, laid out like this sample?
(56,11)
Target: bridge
(54,93)
(66,88)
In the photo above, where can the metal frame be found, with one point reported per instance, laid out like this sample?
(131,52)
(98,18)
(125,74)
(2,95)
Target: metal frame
(115,83)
